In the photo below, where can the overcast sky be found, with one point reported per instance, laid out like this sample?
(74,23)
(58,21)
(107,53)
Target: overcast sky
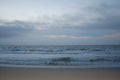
(59,22)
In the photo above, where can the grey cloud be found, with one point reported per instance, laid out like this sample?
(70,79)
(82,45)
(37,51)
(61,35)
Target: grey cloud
(106,22)
(110,15)
(103,16)
(13,28)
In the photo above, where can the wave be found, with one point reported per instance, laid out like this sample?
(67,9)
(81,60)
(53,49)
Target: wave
(59,48)
(60,61)
(60,55)
(106,59)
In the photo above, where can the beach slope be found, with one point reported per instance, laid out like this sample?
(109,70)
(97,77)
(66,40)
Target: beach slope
(59,74)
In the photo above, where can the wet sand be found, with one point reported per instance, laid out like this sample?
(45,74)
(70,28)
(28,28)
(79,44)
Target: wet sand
(59,74)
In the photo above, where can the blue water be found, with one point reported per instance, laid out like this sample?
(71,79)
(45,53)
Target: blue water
(61,56)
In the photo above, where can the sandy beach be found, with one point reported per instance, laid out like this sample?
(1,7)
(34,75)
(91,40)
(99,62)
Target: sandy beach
(59,74)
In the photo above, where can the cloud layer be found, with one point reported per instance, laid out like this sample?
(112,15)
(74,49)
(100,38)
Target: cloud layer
(88,24)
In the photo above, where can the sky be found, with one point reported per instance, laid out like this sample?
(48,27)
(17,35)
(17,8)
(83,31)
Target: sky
(59,22)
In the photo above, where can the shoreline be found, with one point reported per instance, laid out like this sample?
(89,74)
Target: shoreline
(60,66)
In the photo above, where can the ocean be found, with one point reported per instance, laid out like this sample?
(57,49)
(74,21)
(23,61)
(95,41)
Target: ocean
(60,56)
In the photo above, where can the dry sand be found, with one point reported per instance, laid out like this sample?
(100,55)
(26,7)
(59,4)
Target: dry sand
(59,74)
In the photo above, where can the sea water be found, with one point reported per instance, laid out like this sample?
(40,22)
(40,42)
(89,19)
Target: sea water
(81,56)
